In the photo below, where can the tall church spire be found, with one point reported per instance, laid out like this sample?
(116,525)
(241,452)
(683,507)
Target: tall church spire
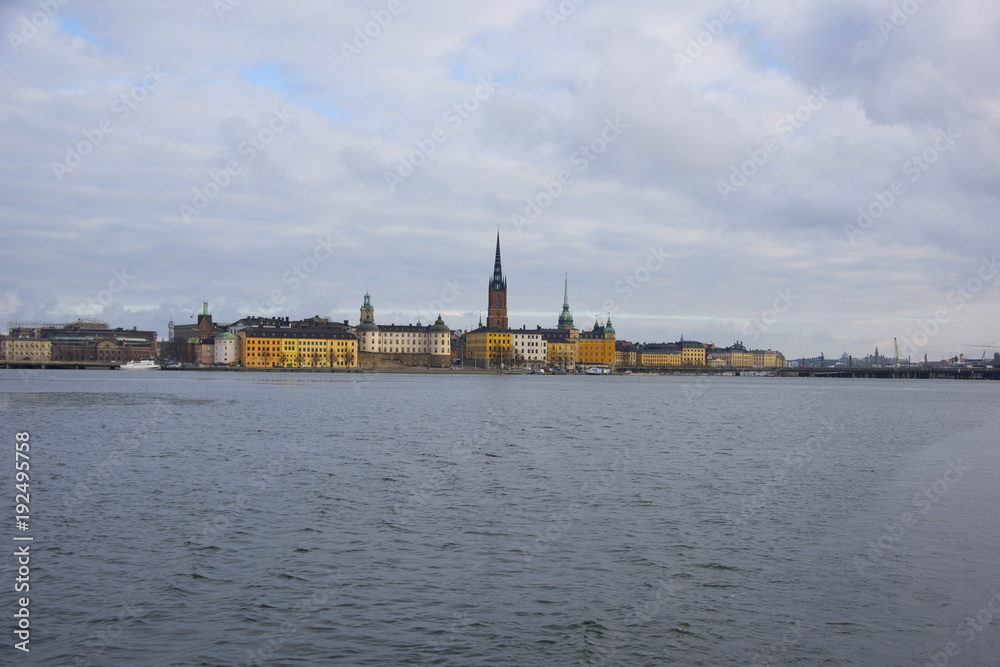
(496,315)
(498,282)
(566,317)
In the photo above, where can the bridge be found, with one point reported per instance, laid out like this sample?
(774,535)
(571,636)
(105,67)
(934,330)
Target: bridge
(877,372)
(891,372)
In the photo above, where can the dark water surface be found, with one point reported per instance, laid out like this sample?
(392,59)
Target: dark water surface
(210,519)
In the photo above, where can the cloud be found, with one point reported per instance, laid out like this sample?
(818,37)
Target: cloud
(689,125)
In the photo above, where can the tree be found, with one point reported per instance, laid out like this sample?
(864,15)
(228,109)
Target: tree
(500,354)
(349,358)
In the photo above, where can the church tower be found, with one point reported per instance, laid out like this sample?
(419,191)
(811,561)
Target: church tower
(367,312)
(566,317)
(496,316)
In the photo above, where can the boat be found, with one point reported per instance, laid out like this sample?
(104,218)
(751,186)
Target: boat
(597,370)
(142,365)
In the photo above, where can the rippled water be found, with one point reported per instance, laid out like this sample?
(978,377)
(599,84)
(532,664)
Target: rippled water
(210,518)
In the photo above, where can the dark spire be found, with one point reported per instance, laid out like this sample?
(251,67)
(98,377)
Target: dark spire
(498,282)
(566,318)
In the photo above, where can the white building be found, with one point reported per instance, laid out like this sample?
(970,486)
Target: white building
(433,340)
(227,348)
(529,346)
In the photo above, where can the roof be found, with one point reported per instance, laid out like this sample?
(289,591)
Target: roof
(296,332)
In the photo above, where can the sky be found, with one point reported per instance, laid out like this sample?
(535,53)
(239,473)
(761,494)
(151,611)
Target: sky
(811,177)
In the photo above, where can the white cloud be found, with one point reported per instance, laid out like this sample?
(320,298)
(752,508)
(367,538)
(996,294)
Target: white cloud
(687,128)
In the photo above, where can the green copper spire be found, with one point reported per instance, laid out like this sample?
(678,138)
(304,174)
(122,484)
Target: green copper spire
(566,317)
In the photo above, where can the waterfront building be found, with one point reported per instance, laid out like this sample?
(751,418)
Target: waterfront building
(764,358)
(227,348)
(692,353)
(528,348)
(402,344)
(660,355)
(597,346)
(29,348)
(562,352)
(625,353)
(92,340)
(737,356)
(489,347)
(297,347)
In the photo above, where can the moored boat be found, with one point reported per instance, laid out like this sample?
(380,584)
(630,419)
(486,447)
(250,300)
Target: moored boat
(141,365)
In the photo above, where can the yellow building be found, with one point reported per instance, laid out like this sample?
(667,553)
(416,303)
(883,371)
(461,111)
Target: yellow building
(489,347)
(597,346)
(625,358)
(660,358)
(562,352)
(34,350)
(692,353)
(297,348)
(764,358)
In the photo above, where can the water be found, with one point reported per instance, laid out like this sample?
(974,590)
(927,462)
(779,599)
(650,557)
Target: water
(210,518)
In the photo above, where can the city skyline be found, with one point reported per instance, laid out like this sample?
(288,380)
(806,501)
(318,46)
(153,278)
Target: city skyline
(809,179)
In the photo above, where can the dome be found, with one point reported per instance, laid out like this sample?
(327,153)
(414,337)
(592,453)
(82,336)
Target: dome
(227,336)
(607,327)
(368,326)
(439,325)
